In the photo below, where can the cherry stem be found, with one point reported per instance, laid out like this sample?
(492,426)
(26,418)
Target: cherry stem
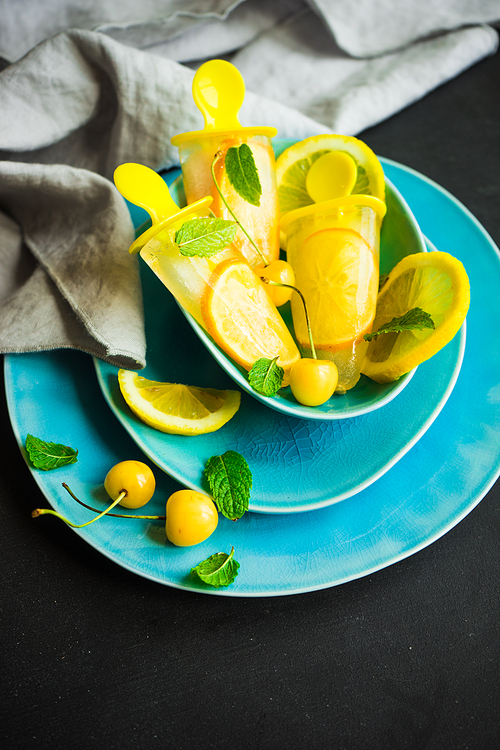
(232,212)
(289,286)
(114,515)
(45,512)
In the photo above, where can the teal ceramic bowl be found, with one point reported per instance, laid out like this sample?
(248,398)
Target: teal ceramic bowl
(400,236)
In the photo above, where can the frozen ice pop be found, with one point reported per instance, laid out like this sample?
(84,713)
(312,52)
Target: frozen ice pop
(219,91)
(219,289)
(333,247)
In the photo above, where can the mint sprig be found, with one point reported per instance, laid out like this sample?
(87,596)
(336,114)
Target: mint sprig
(266,376)
(414,319)
(218,570)
(230,481)
(47,456)
(204,237)
(242,173)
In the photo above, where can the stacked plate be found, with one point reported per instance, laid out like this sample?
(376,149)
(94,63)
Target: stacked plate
(337,493)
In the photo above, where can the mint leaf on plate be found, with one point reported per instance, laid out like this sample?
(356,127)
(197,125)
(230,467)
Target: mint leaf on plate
(230,481)
(242,173)
(414,319)
(266,376)
(218,570)
(205,237)
(47,456)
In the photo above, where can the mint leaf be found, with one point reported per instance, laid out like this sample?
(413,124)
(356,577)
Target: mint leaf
(205,237)
(266,376)
(242,173)
(414,319)
(218,570)
(47,456)
(230,481)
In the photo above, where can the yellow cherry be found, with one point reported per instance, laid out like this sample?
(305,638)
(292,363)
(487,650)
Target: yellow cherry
(191,518)
(280,272)
(313,381)
(135,479)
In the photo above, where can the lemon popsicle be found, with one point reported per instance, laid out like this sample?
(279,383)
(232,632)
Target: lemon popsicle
(192,254)
(333,246)
(218,91)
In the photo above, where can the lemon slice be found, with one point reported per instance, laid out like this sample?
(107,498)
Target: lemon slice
(242,320)
(295,162)
(175,408)
(437,283)
(338,275)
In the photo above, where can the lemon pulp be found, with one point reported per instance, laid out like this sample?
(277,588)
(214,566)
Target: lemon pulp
(337,273)
(240,317)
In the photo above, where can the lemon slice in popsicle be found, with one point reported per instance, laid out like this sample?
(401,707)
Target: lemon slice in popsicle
(242,320)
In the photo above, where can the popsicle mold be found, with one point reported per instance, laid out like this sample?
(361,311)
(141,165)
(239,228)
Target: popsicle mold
(197,280)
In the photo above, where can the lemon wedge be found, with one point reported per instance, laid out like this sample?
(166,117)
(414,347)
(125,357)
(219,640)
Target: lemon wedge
(175,408)
(435,282)
(293,165)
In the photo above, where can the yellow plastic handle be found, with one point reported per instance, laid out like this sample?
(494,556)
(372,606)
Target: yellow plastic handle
(218,92)
(333,175)
(144,187)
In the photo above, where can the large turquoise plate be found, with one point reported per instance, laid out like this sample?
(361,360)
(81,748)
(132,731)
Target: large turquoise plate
(427,492)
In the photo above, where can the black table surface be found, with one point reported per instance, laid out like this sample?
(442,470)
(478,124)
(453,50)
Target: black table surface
(94,656)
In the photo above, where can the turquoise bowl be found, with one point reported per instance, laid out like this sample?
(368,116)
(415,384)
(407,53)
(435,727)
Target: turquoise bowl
(400,236)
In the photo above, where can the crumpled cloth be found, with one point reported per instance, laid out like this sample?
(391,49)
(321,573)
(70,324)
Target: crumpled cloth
(114,90)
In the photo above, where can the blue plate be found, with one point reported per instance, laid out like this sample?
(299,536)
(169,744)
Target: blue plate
(427,492)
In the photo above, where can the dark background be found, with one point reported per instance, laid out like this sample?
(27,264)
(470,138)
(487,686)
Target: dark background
(94,656)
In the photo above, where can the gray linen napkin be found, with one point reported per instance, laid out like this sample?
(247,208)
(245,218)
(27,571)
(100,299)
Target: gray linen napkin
(85,292)
(187,30)
(376,28)
(26,23)
(349,94)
